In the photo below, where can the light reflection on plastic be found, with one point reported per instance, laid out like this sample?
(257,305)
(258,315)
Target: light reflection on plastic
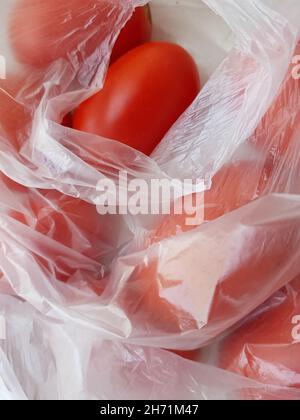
(158,197)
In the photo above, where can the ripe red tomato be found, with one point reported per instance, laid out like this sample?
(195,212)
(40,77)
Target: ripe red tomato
(165,290)
(266,348)
(144,94)
(43,31)
(71,222)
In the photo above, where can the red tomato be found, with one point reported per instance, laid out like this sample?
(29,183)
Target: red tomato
(42,31)
(71,222)
(144,94)
(137,31)
(266,347)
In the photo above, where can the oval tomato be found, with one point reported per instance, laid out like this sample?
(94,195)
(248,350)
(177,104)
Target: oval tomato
(137,31)
(43,31)
(266,348)
(144,94)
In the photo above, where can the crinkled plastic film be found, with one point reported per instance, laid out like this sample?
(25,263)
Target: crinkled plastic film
(68,272)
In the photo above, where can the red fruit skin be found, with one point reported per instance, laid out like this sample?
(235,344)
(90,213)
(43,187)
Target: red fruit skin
(145,92)
(137,31)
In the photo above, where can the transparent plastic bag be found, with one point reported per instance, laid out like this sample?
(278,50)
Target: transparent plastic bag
(10,388)
(97,273)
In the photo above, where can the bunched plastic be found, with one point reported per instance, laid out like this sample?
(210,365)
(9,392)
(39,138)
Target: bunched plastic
(89,302)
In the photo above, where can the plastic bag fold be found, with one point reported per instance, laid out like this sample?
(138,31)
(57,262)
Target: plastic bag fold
(100,277)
